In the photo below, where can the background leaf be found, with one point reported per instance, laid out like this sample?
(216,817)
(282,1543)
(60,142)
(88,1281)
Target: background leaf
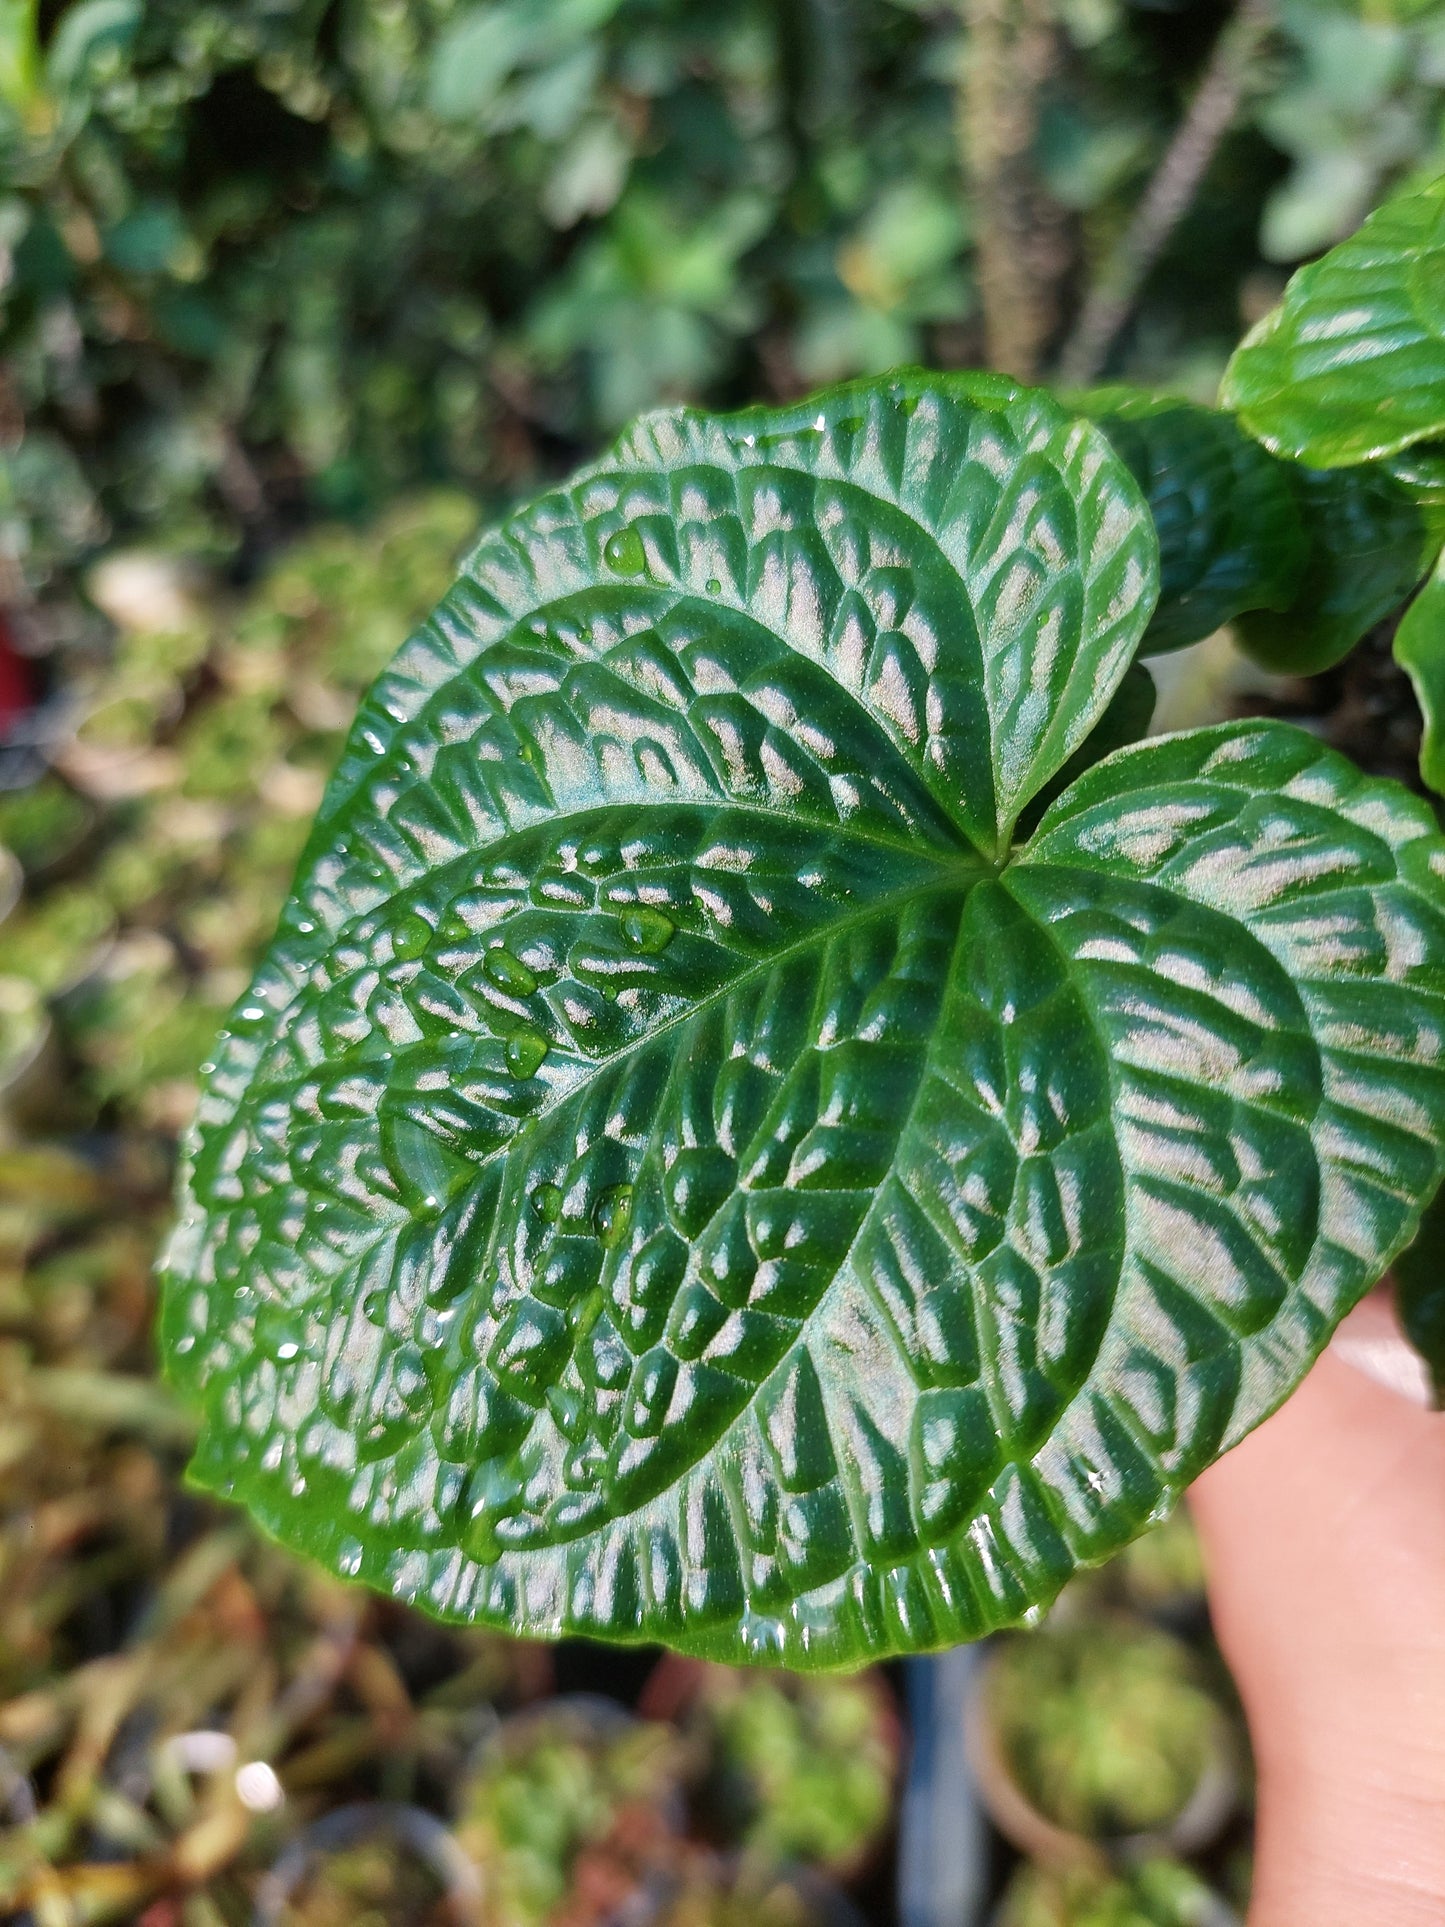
(1351,365)
(1231,533)
(1420,652)
(1421,469)
(465,240)
(672,1179)
(1371,537)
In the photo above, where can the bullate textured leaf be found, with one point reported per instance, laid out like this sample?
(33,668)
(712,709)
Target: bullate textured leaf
(1371,535)
(683,1172)
(1303,561)
(1351,365)
(1232,534)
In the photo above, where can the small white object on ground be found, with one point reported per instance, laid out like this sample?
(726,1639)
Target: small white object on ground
(258,1788)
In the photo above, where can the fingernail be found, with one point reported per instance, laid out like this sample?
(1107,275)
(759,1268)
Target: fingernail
(1371,1341)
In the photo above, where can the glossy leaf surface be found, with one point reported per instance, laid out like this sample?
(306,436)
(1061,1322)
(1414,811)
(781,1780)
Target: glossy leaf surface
(1351,365)
(1231,532)
(682,1174)
(1125,721)
(1420,652)
(1420,1293)
(1421,471)
(1371,536)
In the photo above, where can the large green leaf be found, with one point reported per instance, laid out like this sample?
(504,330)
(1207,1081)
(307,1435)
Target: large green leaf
(1371,536)
(1420,652)
(1231,531)
(682,1174)
(1351,365)
(1126,720)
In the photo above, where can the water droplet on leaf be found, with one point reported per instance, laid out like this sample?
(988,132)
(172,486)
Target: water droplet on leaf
(411,936)
(612,1215)
(279,1331)
(493,1493)
(547,1202)
(714,586)
(525,1051)
(508,972)
(647,930)
(624,554)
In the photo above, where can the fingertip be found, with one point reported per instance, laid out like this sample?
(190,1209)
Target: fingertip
(1371,1341)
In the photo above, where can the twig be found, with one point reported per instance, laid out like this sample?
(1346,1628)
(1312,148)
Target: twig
(1176,181)
(1009,53)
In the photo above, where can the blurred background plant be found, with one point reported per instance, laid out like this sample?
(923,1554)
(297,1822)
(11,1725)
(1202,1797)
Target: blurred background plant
(1158,1893)
(293,295)
(266,259)
(1104,1726)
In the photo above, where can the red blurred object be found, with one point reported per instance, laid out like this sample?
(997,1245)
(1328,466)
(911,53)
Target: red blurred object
(17,678)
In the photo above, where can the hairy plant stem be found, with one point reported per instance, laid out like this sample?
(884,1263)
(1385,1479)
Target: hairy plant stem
(1022,251)
(1176,180)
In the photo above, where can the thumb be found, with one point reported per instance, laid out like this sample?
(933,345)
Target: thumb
(1324,1537)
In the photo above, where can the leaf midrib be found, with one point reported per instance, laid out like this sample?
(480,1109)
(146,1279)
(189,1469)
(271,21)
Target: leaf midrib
(964,869)
(960,875)
(983,873)
(1127,1230)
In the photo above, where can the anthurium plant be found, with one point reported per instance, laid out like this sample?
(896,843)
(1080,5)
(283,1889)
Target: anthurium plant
(776,1120)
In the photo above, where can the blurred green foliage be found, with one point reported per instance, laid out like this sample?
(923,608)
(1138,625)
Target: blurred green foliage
(576,1785)
(261,259)
(1159,1893)
(802,1767)
(749,1896)
(368,1886)
(1359,107)
(1106,1723)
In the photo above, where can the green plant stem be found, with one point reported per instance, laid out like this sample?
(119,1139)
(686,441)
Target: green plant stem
(1167,198)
